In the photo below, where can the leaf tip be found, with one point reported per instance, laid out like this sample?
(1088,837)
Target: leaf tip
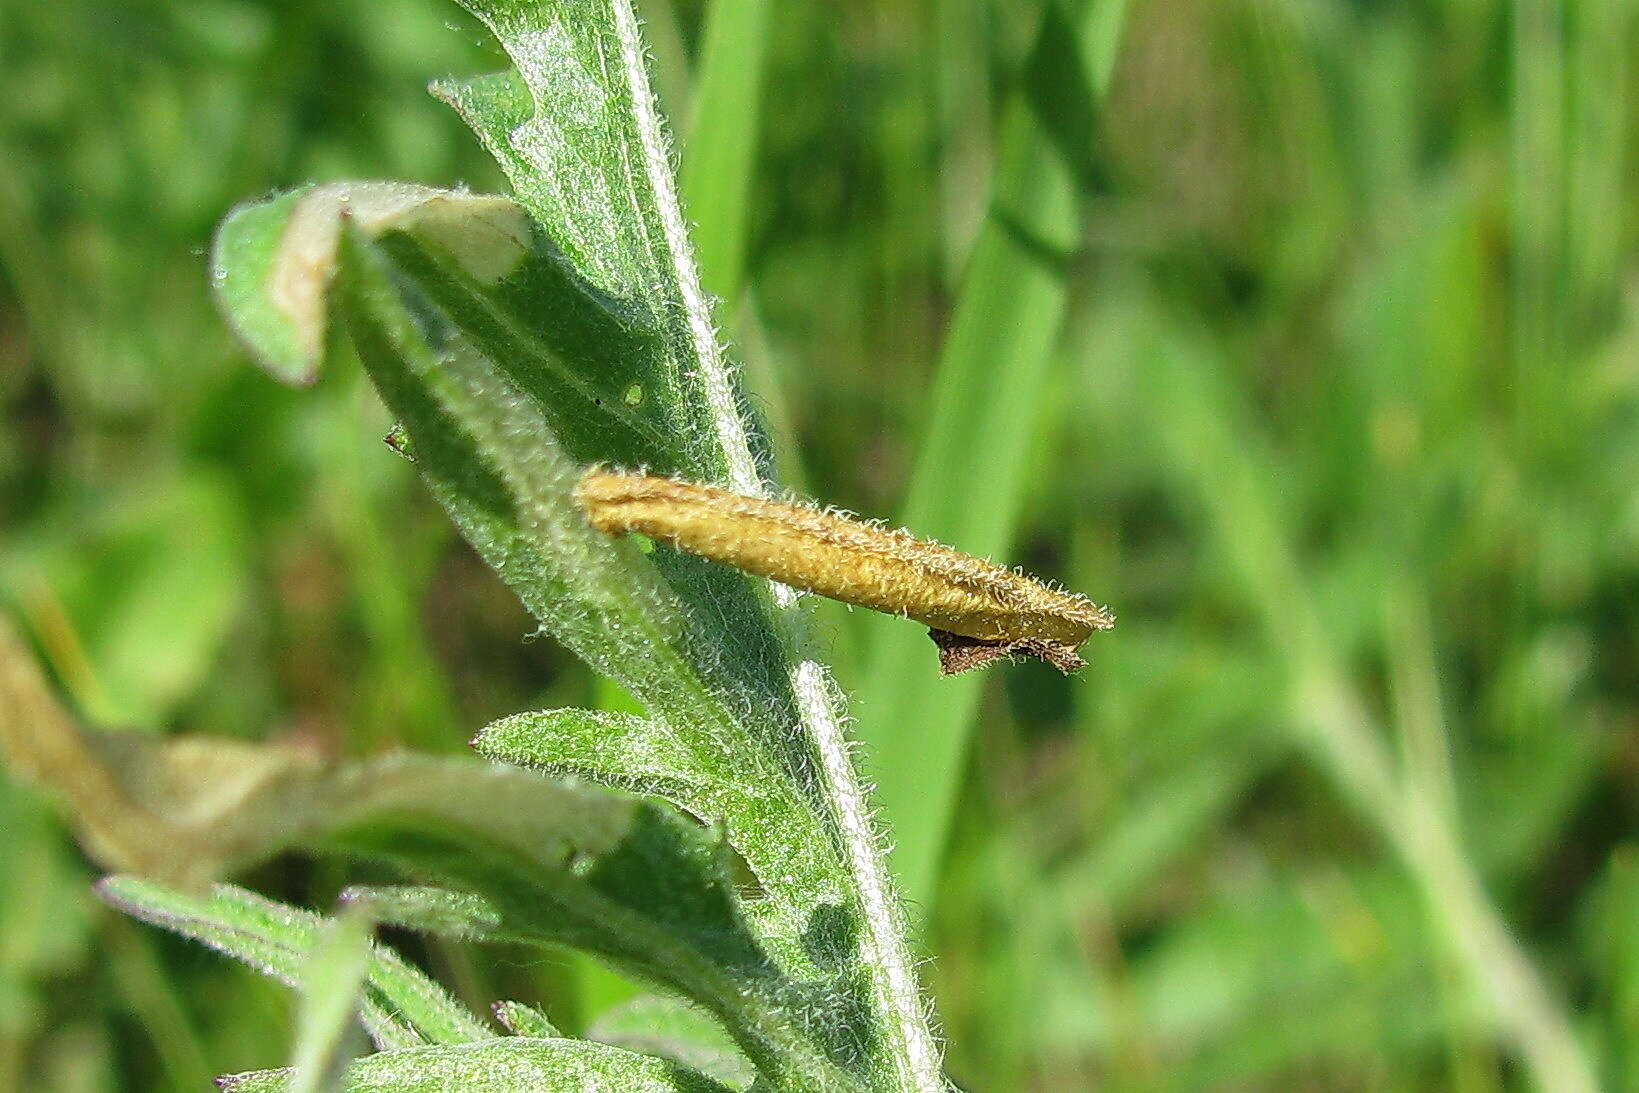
(278,318)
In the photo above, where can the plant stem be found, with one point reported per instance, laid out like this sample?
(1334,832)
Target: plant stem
(893,985)
(911,1048)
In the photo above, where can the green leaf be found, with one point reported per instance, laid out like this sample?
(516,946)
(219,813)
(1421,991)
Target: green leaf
(721,151)
(632,882)
(593,342)
(507,1065)
(577,350)
(332,992)
(522,1020)
(645,756)
(401,1007)
(674,1030)
(681,637)
(272,260)
(618,750)
(577,133)
(437,910)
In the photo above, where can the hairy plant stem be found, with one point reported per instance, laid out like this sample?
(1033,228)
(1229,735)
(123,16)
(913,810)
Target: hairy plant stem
(884,953)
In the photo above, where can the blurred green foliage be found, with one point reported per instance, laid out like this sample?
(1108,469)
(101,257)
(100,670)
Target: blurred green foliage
(1346,403)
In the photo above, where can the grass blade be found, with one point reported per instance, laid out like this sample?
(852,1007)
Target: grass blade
(333,980)
(720,155)
(968,487)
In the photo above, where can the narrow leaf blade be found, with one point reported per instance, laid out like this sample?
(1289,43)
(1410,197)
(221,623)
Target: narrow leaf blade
(508,1065)
(968,486)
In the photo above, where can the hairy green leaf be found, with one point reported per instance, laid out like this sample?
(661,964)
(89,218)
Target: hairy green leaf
(621,750)
(272,260)
(550,864)
(401,1007)
(508,1065)
(674,1030)
(588,339)
(437,910)
(522,1020)
(682,638)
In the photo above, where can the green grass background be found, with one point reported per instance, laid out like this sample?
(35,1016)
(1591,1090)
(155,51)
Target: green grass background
(1310,346)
